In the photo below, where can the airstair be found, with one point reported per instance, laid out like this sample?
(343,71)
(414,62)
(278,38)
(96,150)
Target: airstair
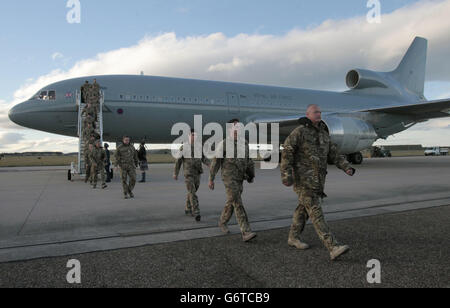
(79,167)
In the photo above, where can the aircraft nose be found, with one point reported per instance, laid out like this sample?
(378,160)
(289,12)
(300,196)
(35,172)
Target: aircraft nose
(18,114)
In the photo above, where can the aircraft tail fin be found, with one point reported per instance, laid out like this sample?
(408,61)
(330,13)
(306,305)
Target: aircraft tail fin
(411,71)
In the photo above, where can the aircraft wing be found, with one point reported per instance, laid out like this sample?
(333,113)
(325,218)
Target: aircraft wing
(428,110)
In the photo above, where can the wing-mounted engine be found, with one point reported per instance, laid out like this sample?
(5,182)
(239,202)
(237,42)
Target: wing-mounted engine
(350,134)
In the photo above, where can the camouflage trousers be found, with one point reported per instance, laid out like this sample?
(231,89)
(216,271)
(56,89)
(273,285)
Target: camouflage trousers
(234,204)
(128,172)
(95,169)
(192,185)
(88,168)
(309,206)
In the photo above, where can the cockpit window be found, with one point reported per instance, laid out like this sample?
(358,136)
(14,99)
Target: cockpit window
(45,95)
(52,95)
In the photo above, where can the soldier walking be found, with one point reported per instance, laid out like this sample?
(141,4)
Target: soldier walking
(97,157)
(234,171)
(87,161)
(127,160)
(192,169)
(304,164)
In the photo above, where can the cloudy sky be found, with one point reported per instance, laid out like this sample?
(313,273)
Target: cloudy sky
(295,43)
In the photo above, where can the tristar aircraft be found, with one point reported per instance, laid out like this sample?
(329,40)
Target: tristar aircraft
(378,104)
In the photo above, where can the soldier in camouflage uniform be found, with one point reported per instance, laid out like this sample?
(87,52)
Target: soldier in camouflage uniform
(127,160)
(192,169)
(90,132)
(97,157)
(91,110)
(304,164)
(94,94)
(87,161)
(234,171)
(84,92)
(89,120)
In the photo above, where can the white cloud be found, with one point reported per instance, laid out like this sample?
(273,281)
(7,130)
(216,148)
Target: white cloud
(12,142)
(315,58)
(57,55)
(9,138)
(234,65)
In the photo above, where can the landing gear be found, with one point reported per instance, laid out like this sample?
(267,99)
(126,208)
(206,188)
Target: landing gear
(269,158)
(355,158)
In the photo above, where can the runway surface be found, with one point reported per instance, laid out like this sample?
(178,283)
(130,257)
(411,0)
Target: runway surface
(412,248)
(44,215)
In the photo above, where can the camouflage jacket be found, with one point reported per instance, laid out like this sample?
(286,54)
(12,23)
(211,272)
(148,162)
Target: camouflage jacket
(191,166)
(88,132)
(87,156)
(92,110)
(305,156)
(97,156)
(126,156)
(88,120)
(233,169)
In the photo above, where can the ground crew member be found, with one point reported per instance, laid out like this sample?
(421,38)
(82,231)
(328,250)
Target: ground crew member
(143,164)
(192,169)
(234,171)
(127,160)
(304,165)
(108,163)
(97,157)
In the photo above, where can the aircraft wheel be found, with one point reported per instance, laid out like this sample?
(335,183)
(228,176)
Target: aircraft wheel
(356,158)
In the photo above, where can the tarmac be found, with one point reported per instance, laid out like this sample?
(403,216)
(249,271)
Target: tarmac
(412,248)
(43,215)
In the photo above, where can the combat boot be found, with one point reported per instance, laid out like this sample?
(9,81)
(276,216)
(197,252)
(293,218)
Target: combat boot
(104,186)
(248,236)
(338,251)
(131,195)
(125,196)
(297,244)
(224,228)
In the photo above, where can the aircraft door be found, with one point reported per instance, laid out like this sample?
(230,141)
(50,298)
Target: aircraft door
(233,103)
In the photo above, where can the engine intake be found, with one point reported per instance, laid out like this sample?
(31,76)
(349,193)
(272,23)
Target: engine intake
(362,79)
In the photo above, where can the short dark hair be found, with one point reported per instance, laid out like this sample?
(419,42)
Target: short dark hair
(233,121)
(193,131)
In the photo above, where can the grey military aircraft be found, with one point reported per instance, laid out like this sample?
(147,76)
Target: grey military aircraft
(377,105)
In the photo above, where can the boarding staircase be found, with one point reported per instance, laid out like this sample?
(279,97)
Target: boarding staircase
(80,166)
